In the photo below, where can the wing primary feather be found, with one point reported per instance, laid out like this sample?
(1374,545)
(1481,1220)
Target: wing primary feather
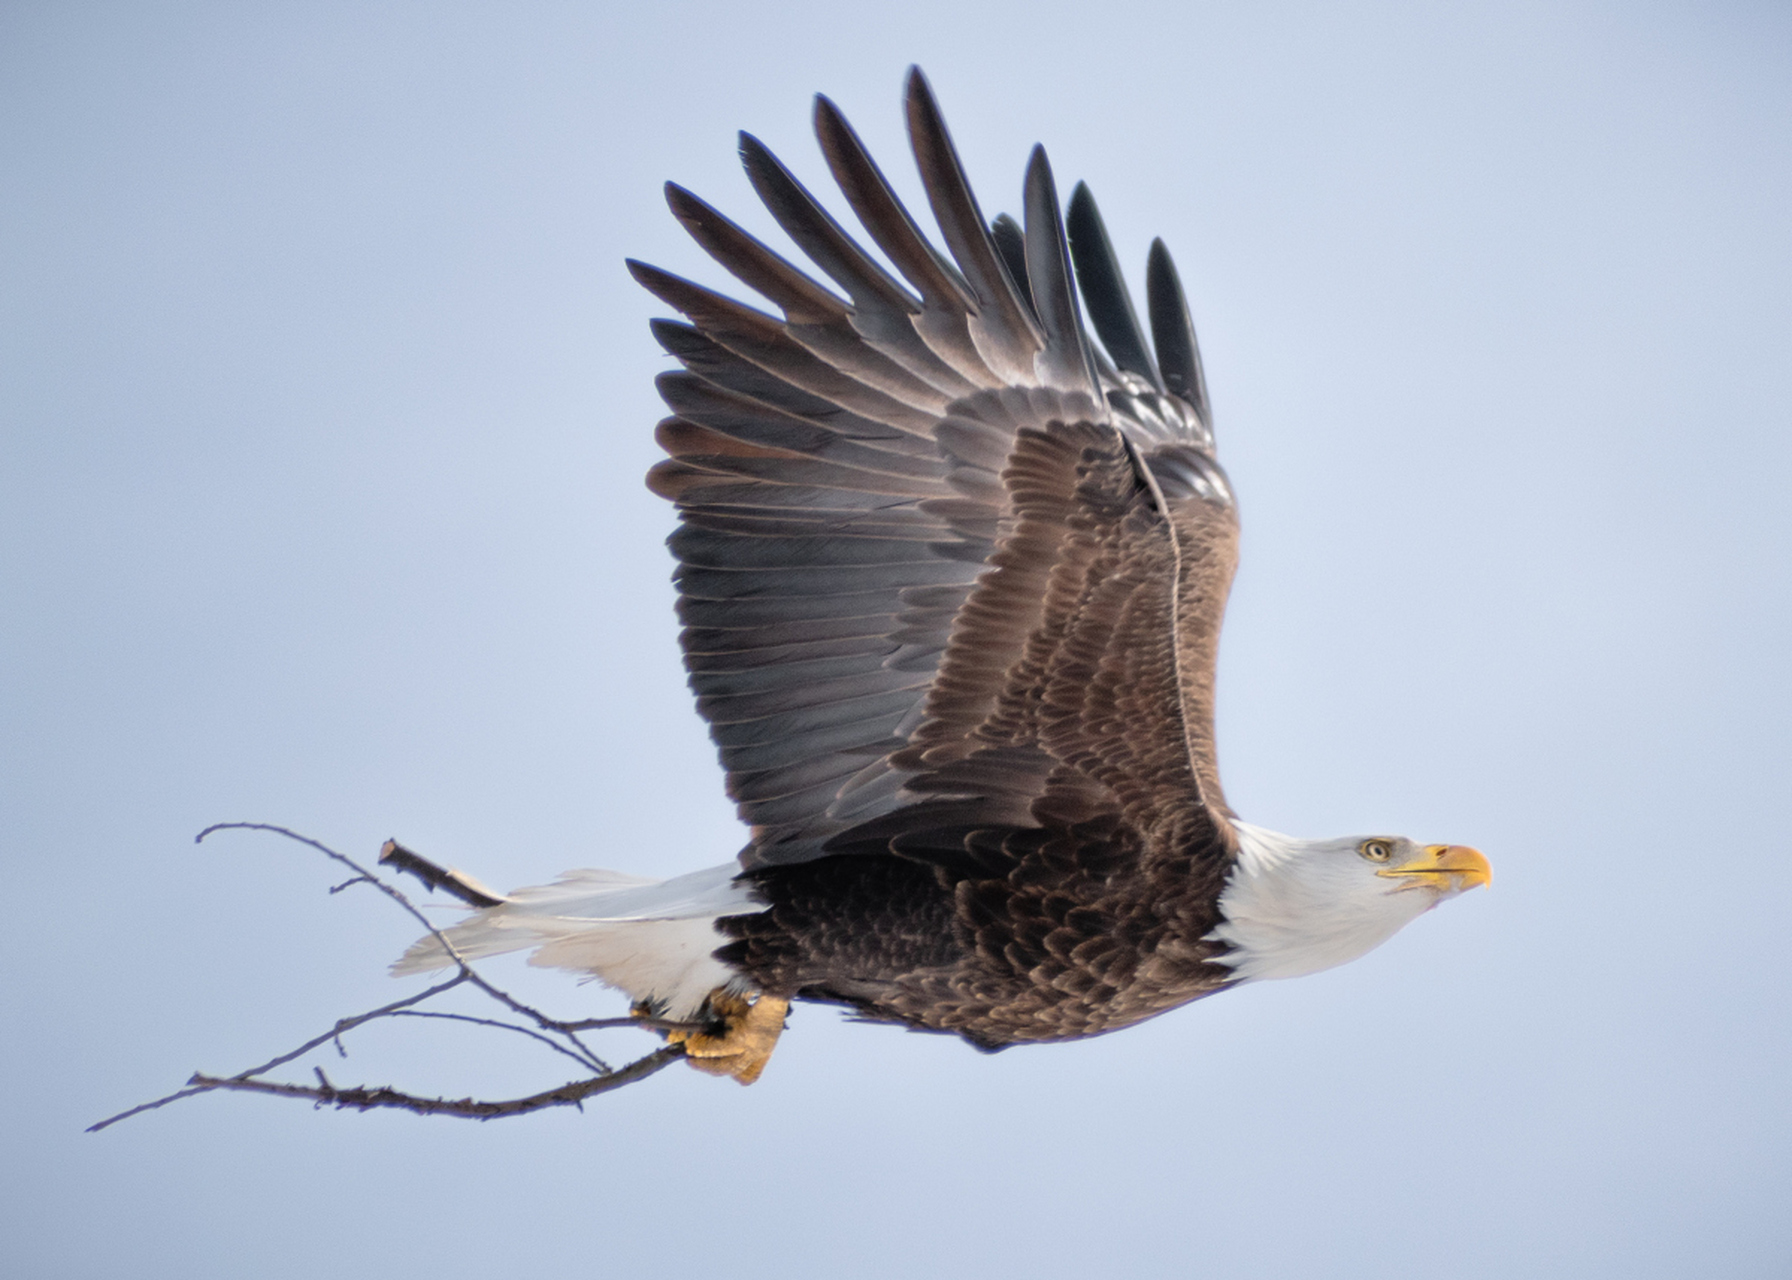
(752,263)
(1104,289)
(817,234)
(1002,312)
(755,422)
(1064,364)
(858,379)
(882,308)
(1178,355)
(885,218)
(715,363)
(1011,243)
(947,302)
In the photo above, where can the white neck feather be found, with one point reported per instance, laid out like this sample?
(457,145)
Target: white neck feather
(1294,906)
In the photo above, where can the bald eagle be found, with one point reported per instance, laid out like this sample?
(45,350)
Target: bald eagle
(951,575)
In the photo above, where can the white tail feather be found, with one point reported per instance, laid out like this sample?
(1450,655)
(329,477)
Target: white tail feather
(653,939)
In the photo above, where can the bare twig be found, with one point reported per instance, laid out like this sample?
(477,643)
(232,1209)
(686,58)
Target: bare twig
(643,1020)
(560,1036)
(349,1024)
(447,879)
(448,948)
(364,1099)
(141,1107)
(491,1022)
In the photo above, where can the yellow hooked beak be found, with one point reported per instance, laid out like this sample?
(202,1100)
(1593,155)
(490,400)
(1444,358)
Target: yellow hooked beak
(1447,868)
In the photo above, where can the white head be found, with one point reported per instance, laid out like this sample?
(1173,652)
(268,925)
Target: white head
(1294,906)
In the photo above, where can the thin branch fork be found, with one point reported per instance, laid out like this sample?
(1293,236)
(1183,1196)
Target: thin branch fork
(560,1036)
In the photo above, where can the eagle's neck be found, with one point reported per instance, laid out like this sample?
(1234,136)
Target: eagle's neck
(1293,906)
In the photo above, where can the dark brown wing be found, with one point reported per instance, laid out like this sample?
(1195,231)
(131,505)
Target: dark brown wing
(943,567)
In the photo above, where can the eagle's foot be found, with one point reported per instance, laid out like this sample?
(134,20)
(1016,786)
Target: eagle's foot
(740,1037)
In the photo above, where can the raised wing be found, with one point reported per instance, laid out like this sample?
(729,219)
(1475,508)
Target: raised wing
(944,567)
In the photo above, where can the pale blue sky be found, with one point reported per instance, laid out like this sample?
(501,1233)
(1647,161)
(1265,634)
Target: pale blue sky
(325,405)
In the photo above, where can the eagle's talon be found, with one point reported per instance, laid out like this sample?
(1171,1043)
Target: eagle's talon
(741,1037)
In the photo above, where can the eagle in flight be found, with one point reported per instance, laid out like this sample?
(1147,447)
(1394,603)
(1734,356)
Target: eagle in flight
(951,574)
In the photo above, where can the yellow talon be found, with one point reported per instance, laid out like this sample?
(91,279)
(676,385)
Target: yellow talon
(748,1034)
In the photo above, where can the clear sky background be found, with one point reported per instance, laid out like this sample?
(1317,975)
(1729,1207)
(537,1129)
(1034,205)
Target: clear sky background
(324,405)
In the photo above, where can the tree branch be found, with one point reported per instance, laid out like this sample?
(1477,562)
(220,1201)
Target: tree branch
(560,1036)
(361,1098)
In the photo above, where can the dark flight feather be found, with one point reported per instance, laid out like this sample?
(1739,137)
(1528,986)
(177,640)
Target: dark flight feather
(1011,336)
(1178,355)
(1104,288)
(1011,243)
(1064,364)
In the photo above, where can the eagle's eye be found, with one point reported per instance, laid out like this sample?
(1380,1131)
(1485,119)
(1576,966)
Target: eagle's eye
(1376,850)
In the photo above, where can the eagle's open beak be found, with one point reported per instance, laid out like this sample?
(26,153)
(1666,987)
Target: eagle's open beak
(1447,868)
